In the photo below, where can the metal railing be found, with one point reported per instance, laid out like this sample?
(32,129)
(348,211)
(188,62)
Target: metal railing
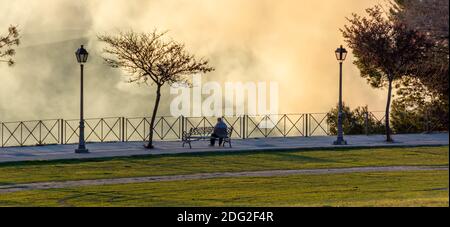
(122,129)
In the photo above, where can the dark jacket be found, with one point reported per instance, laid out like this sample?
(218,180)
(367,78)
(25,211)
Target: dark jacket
(220,130)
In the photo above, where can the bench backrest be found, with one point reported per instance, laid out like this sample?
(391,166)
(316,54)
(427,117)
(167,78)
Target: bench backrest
(206,131)
(230,131)
(202,131)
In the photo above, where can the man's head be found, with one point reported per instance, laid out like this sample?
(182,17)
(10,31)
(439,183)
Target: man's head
(219,119)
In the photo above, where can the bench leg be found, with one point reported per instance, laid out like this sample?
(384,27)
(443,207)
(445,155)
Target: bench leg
(228,141)
(187,142)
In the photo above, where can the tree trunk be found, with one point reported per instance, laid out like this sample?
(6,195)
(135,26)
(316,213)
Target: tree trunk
(152,121)
(387,117)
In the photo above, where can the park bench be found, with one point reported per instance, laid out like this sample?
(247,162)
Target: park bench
(204,133)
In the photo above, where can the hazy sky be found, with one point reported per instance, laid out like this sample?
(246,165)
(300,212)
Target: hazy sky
(288,41)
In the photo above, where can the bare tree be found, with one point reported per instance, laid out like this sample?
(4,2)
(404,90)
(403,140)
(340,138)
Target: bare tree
(385,50)
(7,42)
(153,60)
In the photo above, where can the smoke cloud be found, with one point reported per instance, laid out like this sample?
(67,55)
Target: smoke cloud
(291,42)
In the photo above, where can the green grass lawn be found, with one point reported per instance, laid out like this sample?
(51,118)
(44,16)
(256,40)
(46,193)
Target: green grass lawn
(421,188)
(27,172)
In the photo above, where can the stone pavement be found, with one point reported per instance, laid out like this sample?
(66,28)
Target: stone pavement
(104,150)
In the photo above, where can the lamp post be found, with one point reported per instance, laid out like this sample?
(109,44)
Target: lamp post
(82,56)
(341,54)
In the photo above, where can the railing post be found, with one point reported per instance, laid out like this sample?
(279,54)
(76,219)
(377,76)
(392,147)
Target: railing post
(186,123)
(247,119)
(243,126)
(306,125)
(61,129)
(123,129)
(182,126)
(40,133)
(265,126)
(366,123)
(101,130)
(21,133)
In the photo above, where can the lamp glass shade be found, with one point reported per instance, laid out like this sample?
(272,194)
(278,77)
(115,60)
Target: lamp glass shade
(344,54)
(82,55)
(341,54)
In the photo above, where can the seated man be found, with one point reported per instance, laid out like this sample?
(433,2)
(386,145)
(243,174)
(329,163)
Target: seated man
(220,131)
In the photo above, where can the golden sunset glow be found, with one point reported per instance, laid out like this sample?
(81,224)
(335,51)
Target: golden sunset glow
(287,41)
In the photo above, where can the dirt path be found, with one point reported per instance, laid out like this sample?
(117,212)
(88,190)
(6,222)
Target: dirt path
(272,173)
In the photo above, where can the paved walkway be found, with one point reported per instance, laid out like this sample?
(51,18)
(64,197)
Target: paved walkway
(273,173)
(103,150)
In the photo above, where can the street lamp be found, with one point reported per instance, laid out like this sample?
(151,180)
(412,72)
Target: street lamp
(341,54)
(82,56)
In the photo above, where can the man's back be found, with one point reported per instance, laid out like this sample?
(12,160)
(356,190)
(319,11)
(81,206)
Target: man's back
(221,129)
